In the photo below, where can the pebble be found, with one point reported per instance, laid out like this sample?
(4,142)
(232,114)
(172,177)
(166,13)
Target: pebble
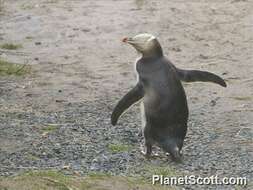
(80,144)
(37,43)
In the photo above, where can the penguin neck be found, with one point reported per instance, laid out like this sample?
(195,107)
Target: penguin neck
(154,53)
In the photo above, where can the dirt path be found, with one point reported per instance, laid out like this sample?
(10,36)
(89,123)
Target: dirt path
(58,117)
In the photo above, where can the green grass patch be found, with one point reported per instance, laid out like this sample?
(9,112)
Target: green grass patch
(38,180)
(50,128)
(29,37)
(53,180)
(10,46)
(47,173)
(32,157)
(8,68)
(99,175)
(161,170)
(52,1)
(27,6)
(116,148)
(1,5)
(242,98)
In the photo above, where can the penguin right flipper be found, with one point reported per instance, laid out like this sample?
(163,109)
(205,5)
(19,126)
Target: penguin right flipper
(129,99)
(204,76)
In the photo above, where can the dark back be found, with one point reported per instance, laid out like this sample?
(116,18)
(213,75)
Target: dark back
(165,100)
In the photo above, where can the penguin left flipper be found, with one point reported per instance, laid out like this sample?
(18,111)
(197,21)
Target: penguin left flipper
(129,99)
(203,76)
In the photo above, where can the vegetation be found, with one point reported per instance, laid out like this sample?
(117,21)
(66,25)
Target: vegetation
(8,68)
(115,148)
(28,37)
(161,170)
(53,180)
(10,46)
(242,98)
(1,5)
(50,128)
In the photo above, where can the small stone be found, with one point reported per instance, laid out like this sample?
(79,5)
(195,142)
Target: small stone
(28,95)
(66,167)
(59,101)
(37,43)
(203,56)
(77,173)
(45,134)
(212,103)
(246,133)
(176,49)
(85,30)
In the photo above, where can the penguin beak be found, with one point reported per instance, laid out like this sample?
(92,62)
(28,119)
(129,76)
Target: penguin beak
(127,40)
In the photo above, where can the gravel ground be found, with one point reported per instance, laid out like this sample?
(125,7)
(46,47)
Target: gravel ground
(59,116)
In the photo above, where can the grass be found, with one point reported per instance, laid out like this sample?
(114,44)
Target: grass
(38,180)
(32,157)
(10,46)
(50,128)
(29,37)
(52,1)
(116,148)
(27,6)
(53,180)
(241,98)
(98,175)
(1,5)
(161,170)
(8,68)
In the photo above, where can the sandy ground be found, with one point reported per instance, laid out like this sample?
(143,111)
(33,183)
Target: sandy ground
(81,69)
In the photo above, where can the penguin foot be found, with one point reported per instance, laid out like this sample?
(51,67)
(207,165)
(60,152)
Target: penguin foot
(176,157)
(156,154)
(139,134)
(146,151)
(149,155)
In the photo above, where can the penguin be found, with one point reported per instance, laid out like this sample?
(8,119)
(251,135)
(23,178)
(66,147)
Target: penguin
(164,103)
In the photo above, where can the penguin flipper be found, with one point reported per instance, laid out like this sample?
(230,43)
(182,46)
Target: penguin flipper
(203,76)
(129,99)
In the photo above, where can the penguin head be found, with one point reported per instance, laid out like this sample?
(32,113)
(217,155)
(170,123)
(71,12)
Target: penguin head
(145,43)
